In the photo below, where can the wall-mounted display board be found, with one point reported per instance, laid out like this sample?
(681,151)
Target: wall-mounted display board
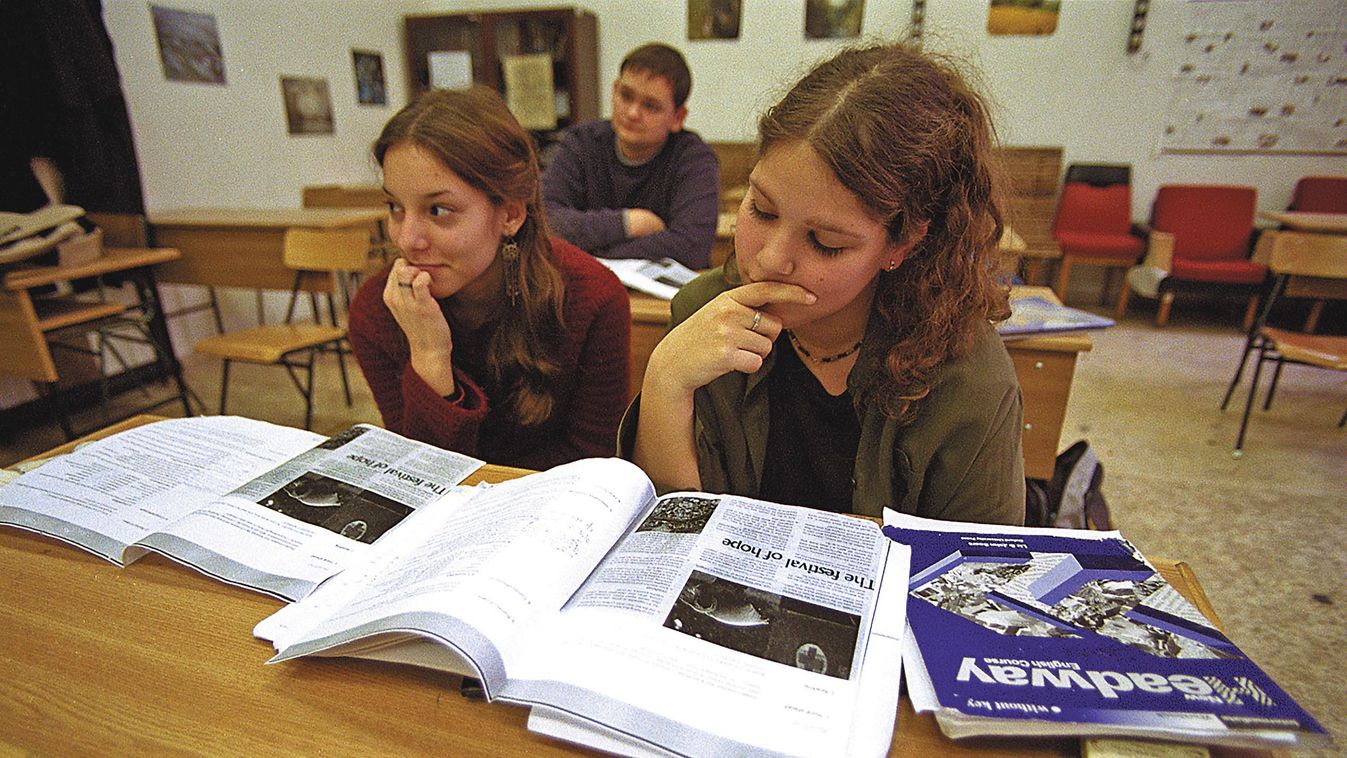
(503,51)
(1260,77)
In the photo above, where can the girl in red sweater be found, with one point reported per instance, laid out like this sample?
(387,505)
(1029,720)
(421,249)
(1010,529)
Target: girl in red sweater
(486,336)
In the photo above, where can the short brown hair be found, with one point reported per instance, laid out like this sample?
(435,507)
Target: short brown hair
(662,60)
(903,130)
(473,134)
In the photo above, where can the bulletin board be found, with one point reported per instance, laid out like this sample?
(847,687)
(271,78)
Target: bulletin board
(1260,77)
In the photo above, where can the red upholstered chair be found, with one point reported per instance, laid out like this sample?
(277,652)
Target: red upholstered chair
(1320,194)
(1200,238)
(1093,225)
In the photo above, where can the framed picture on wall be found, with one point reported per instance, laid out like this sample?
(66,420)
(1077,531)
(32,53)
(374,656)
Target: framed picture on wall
(308,107)
(827,19)
(1023,17)
(189,46)
(714,19)
(369,78)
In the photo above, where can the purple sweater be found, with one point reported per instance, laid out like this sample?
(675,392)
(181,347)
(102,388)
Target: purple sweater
(585,188)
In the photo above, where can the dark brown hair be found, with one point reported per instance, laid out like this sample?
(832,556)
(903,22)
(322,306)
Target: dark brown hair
(474,135)
(903,130)
(662,60)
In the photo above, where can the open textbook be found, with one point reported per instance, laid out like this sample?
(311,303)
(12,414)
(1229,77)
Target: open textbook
(1072,632)
(266,507)
(698,624)
(661,278)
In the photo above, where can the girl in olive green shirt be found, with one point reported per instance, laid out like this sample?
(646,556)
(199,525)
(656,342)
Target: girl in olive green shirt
(844,357)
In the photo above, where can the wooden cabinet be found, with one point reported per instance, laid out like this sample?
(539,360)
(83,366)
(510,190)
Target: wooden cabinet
(494,41)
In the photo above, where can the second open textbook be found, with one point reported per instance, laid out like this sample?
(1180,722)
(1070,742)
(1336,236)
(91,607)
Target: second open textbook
(266,507)
(700,624)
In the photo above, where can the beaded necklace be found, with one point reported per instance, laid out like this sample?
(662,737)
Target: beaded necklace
(822,358)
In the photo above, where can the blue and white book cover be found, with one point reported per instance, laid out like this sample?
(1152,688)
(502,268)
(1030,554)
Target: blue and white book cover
(1057,631)
(1037,315)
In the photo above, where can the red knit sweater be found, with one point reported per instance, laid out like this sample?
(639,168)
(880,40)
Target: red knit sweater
(590,392)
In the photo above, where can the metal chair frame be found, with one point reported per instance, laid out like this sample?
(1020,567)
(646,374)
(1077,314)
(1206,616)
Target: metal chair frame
(1302,265)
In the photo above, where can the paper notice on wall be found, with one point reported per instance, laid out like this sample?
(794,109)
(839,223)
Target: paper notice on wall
(528,90)
(450,69)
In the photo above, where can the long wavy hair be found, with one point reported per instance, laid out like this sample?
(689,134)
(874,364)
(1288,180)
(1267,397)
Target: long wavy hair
(903,130)
(474,135)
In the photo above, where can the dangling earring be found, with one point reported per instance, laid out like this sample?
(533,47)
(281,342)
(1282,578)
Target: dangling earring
(509,253)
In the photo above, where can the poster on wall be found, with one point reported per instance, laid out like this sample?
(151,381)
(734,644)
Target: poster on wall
(189,46)
(829,19)
(529,91)
(1023,17)
(714,19)
(369,78)
(1256,77)
(308,107)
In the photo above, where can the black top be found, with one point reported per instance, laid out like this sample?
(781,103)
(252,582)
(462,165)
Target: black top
(811,438)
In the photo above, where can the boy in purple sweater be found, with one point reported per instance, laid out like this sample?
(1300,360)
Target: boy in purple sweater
(638,185)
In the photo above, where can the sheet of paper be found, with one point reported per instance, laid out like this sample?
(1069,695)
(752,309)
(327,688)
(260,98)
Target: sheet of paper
(450,69)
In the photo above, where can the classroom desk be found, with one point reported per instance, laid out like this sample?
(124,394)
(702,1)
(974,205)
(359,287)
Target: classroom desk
(1330,223)
(156,658)
(244,247)
(1044,366)
(25,321)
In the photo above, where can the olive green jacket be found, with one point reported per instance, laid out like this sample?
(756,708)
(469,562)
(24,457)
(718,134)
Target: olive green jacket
(960,459)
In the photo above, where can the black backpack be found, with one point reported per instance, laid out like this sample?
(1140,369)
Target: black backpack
(1073,498)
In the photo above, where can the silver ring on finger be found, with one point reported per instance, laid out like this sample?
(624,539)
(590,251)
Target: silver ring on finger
(757,319)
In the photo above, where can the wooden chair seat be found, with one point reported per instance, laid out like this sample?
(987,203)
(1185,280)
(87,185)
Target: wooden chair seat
(1322,350)
(270,343)
(1303,264)
(295,346)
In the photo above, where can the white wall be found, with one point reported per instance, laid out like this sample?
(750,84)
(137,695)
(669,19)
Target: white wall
(203,144)
(1076,88)
(209,145)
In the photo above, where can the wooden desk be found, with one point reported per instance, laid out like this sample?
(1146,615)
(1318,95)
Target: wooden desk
(156,658)
(1330,223)
(241,247)
(24,321)
(1044,366)
(344,196)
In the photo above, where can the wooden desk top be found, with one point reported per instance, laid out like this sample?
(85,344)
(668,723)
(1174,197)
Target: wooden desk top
(113,259)
(315,218)
(1333,223)
(652,311)
(157,658)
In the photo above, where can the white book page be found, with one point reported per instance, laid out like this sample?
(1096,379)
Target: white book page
(642,679)
(498,557)
(661,278)
(113,492)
